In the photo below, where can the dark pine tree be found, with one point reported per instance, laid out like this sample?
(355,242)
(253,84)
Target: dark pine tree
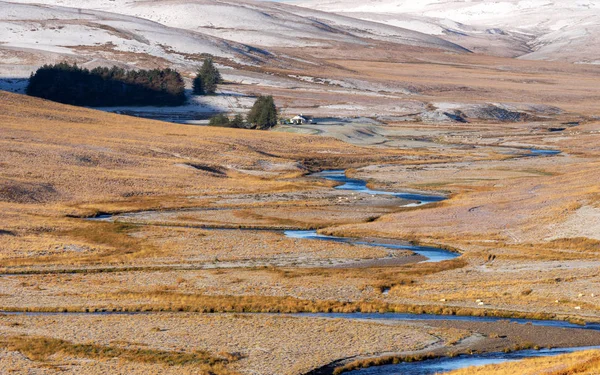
(198,87)
(238,121)
(209,76)
(263,114)
(107,87)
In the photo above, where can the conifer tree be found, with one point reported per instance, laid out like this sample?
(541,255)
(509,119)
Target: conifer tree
(238,121)
(263,114)
(198,87)
(207,78)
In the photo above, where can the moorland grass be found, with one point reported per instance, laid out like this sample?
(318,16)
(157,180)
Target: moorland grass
(582,363)
(169,301)
(42,348)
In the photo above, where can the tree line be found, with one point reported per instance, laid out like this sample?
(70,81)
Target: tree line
(105,87)
(109,87)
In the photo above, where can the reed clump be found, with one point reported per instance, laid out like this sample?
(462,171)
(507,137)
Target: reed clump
(380,361)
(42,348)
(581,363)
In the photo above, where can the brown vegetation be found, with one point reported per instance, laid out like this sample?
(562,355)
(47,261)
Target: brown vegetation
(42,348)
(380,361)
(583,363)
(254,339)
(169,301)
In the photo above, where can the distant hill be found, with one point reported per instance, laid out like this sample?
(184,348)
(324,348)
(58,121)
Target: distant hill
(177,33)
(562,30)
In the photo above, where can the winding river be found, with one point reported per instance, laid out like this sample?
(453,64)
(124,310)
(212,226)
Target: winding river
(542,152)
(447,364)
(433,254)
(360,186)
(426,367)
(441,365)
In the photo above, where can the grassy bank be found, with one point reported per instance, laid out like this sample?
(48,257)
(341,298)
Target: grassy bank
(44,348)
(178,302)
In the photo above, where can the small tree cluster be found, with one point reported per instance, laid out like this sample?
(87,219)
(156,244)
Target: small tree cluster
(223,120)
(207,78)
(104,86)
(263,114)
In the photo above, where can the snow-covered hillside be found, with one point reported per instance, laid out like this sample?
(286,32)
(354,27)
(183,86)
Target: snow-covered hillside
(264,24)
(176,32)
(35,34)
(533,29)
(179,33)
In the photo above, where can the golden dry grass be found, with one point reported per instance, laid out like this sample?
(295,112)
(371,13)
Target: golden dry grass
(520,215)
(438,77)
(382,361)
(172,301)
(113,158)
(468,77)
(583,363)
(43,348)
(60,161)
(255,339)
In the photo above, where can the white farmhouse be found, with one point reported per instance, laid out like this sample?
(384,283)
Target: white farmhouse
(299,120)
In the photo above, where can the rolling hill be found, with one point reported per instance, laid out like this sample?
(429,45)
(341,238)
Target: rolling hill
(178,33)
(558,30)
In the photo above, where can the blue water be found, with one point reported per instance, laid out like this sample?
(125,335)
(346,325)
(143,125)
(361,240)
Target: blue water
(538,152)
(360,186)
(432,253)
(442,365)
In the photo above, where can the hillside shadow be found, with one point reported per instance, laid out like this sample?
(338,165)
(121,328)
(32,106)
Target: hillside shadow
(15,85)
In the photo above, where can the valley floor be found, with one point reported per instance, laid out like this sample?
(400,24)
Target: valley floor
(198,231)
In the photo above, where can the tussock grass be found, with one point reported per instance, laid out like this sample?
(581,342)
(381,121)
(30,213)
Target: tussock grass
(112,243)
(381,361)
(42,348)
(396,359)
(582,363)
(576,243)
(377,277)
(90,161)
(113,235)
